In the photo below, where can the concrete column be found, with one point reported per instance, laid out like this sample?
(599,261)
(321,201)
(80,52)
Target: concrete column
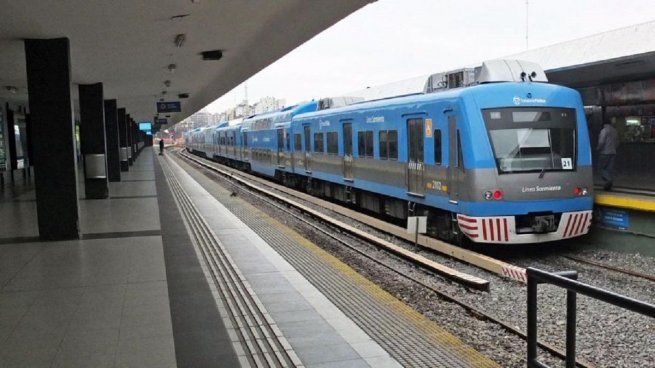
(113,144)
(122,133)
(130,149)
(53,130)
(92,141)
(11,149)
(135,139)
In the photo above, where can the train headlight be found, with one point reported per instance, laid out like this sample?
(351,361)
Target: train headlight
(580,191)
(495,195)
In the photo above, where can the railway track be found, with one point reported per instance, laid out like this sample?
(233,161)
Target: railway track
(490,264)
(612,268)
(334,232)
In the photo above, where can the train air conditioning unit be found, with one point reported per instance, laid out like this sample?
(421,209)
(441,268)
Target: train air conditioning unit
(334,102)
(491,71)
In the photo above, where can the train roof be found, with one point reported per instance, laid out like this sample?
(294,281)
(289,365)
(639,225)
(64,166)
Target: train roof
(447,94)
(277,118)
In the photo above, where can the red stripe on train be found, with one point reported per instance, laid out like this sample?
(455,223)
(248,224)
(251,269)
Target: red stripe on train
(484,230)
(468,227)
(574,224)
(506,232)
(466,219)
(568,224)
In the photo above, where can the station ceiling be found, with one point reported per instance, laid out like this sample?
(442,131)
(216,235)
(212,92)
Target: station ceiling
(129,45)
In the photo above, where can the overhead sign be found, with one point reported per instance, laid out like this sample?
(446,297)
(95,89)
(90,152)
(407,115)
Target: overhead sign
(171,106)
(145,126)
(161,121)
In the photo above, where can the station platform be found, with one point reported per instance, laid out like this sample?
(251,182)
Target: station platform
(172,270)
(638,200)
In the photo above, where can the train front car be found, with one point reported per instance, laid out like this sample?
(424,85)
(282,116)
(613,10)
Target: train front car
(528,170)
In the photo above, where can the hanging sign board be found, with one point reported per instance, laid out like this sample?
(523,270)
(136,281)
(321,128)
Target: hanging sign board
(171,106)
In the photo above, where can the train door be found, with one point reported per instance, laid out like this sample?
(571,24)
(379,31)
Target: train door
(347,137)
(245,153)
(280,147)
(234,143)
(415,165)
(308,148)
(454,159)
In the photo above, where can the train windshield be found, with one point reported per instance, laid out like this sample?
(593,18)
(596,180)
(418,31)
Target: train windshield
(532,139)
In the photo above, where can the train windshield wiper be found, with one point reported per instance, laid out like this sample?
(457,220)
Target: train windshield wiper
(542,173)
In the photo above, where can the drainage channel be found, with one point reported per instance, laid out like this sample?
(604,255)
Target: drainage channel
(256,338)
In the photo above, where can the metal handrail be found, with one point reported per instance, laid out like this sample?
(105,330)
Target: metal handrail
(568,281)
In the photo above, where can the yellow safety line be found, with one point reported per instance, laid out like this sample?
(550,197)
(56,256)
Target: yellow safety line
(621,201)
(431,329)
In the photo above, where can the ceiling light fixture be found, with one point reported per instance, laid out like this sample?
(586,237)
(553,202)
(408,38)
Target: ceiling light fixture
(179,16)
(163,93)
(171,67)
(212,55)
(11,89)
(183,95)
(179,40)
(167,83)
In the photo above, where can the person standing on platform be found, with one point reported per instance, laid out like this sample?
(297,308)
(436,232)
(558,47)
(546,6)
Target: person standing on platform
(161,147)
(608,142)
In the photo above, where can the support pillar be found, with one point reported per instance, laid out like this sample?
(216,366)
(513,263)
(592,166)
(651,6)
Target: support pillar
(113,144)
(92,141)
(130,158)
(122,133)
(53,132)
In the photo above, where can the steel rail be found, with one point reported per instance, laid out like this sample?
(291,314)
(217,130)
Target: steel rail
(612,268)
(476,312)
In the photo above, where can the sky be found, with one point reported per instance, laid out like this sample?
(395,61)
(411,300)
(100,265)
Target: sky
(392,40)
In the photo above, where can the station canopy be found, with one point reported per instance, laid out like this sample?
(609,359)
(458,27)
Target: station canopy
(620,55)
(147,50)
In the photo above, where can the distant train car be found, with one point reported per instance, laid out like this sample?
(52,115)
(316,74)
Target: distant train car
(490,154)
(267,139)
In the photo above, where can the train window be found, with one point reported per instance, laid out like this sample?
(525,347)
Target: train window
(384,152)
(437,147)
(365,143)
(318,143)
(332,143)
(297,142)
(369,143)
(392,138)
(288,139)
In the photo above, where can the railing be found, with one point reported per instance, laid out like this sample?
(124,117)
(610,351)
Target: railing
(568,281)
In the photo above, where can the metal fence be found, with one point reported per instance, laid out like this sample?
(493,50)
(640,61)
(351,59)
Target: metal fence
(568,280)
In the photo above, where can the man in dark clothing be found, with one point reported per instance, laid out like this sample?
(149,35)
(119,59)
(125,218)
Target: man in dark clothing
(161,146)
(608,142)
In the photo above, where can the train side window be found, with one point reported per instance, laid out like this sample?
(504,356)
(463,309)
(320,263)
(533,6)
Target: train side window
(460,158)
(392,139)
(288,140)
(437,147)
(384,152)
(361,144)
(297,142)
(318,143)
(332,143)
(369,143)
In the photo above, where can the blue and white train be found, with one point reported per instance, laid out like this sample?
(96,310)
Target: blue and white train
(492,154)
